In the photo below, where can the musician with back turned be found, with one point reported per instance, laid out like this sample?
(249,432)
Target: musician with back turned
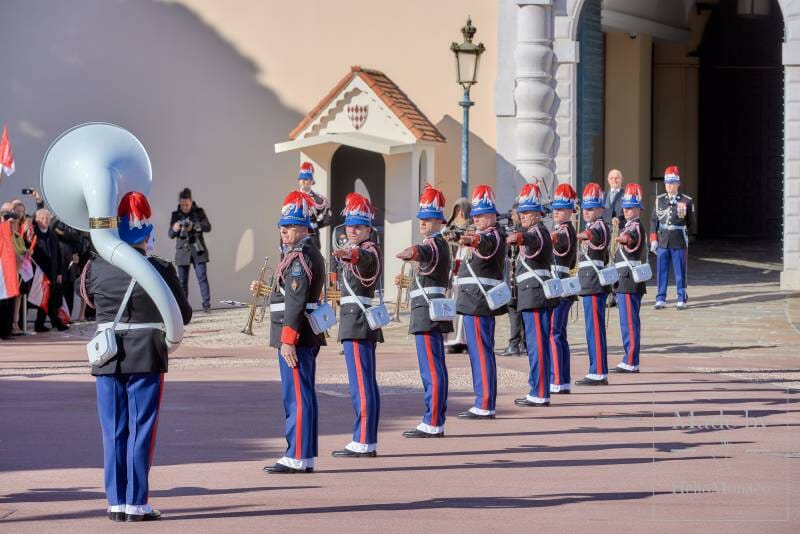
(431,278)
(298,279)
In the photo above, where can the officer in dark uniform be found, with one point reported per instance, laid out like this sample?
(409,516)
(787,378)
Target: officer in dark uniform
(598,238)
(532,268)
(565,248)
(321,215)
(632,252)
(487,258)
(298,279)
(671,222)
(360,269)
(129,386)
(432,277)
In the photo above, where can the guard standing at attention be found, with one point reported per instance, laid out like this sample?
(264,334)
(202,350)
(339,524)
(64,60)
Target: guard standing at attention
(431,279)
(129,386)
(486,257)
(565,251)
(321,209)
(672,219)
(597,237)
(532,269)
(360,272)
(298,283)
(631,253)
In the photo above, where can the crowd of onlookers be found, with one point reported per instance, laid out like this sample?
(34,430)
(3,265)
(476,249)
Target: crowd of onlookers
(49,260)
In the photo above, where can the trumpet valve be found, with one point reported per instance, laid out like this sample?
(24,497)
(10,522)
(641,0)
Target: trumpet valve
(403,282)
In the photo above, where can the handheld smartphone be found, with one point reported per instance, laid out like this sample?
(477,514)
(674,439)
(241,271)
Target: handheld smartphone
(27,191)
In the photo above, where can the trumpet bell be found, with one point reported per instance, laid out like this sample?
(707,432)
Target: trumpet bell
(74,159)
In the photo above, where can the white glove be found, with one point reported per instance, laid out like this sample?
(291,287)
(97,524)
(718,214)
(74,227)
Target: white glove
(653,246)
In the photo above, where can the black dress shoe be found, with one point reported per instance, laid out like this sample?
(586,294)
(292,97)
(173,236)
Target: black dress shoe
(591,382)
(347,453)
(511,350)
(564,392)
(622,370)
(417,433)
(280,469)
(455,348)
(153,515)
(40,329)
(118,517)
(62,327)
(525,402)
(473,415)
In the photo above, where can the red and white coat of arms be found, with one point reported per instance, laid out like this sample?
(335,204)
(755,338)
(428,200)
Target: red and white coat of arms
(357,115)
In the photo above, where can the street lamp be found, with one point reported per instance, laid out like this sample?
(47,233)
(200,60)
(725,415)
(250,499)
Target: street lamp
(468,56)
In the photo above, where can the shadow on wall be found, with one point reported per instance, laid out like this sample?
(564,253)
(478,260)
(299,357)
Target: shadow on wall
(192,99)
(485,165)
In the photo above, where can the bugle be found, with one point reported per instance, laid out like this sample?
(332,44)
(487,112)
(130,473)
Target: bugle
(403,282)
(262,291)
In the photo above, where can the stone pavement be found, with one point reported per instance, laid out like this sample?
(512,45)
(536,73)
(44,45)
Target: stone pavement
(706,437)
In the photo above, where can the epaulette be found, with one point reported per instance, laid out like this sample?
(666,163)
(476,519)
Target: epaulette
(661,195)
(685,195)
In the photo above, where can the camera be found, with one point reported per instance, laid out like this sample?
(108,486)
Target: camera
(27,191)
(184,232)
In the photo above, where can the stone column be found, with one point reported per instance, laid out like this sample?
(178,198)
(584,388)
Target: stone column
(534,94)
(790,277)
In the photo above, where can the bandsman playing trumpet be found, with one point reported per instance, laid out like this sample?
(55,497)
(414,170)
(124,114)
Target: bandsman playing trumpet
(298,279)
(430,282)
(593,294)
(532,269)
(486,260)
(565,252)
(631,252)
(360,271)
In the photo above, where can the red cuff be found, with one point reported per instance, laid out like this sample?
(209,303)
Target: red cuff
(475,240)
(355,254)
(653,236)
(554,237)
(289,335)
(625,239)
(583,235)
(519,239)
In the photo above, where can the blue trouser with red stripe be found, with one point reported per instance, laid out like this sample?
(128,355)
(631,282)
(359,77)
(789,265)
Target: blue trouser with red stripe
(594,315)
(128,407)
(480,345)
(559,347)
(433,371)
(301,427)
(677,258)
(537,336)
(630,326)
(359,355)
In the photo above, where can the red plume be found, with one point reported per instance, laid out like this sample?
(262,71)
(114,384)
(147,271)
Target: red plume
(432,197)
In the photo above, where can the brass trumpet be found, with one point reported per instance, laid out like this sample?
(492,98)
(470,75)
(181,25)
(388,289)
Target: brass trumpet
(262,291)
(404,282)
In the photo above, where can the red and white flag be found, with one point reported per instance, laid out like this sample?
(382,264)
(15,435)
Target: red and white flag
(39,294)
(9,284)
(6,156)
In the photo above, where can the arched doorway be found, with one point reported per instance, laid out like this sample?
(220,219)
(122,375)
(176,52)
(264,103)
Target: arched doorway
(741,125)
(362,171)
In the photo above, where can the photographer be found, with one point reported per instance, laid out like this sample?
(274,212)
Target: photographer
(187,226)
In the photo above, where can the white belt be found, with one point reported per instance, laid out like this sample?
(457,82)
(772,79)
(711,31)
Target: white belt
(431,291)
(281,306)
(130,326)
(673,227)
(349,299)
(587,263)
(484,281)
(632,263)
(561,269)
(538,272)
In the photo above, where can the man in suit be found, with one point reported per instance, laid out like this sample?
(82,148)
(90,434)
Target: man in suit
(612,201)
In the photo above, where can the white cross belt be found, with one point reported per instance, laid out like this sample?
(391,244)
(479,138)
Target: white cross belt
(432,291)
(130,326)
(587,263)
(349,299)
(538,272)
(281,306)
(484,281)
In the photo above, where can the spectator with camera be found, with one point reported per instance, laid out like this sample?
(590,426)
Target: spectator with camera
(187,226)
(47,256)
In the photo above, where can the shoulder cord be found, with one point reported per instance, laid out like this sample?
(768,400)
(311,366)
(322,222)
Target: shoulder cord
(84,294)
(497,245)
(562,229)
(366,281)
(605,236)
(634,225)
(524,249)
(435,253)
(287,261)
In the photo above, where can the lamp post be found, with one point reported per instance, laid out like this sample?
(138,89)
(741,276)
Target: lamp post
(468,55)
